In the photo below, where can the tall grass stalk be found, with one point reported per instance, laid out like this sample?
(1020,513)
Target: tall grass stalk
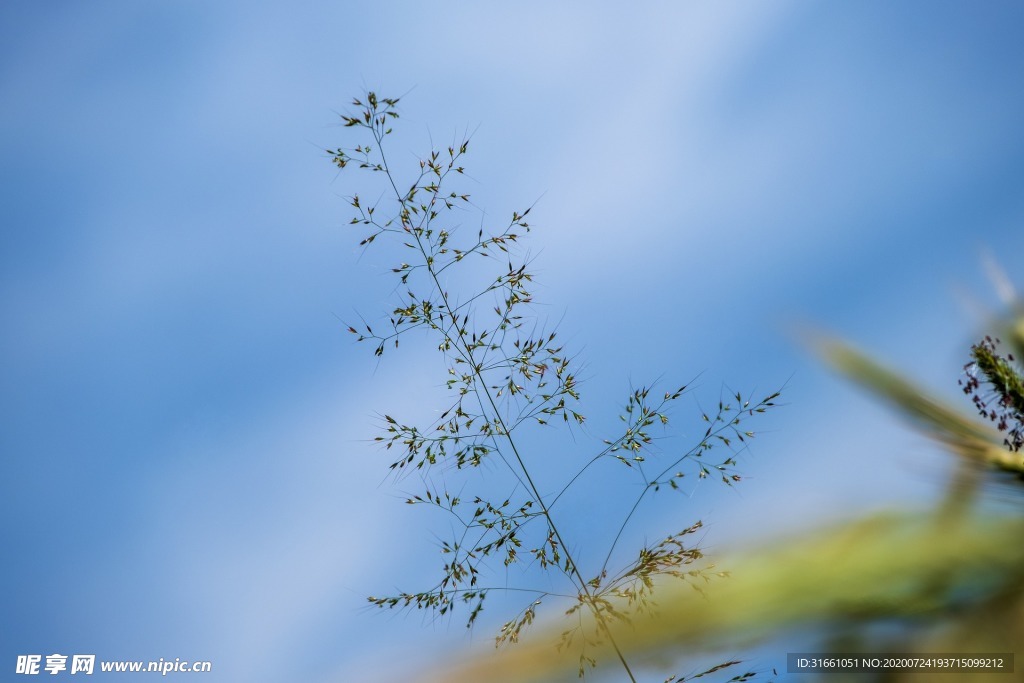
(506,375)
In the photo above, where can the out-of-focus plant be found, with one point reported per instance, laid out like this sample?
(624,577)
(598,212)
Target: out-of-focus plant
(839,579)
(505,375)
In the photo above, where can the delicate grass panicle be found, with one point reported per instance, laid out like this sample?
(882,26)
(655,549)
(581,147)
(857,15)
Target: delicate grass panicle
(504,376)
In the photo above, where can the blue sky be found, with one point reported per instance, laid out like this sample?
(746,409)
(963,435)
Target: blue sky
(185,467)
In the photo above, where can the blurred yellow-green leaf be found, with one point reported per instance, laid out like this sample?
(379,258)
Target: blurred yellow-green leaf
(883,566)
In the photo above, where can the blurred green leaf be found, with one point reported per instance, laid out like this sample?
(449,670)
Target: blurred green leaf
(963,434)
(878,567)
